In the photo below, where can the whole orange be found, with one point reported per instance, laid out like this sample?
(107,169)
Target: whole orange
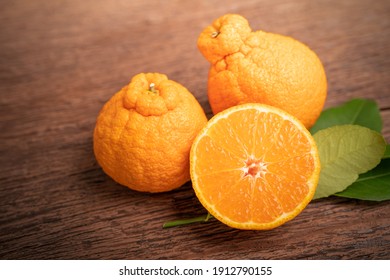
(261,67)
(144,133)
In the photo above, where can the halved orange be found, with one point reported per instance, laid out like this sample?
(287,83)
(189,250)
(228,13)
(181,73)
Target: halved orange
(254,166)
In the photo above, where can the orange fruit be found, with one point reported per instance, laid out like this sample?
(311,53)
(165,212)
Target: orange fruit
(254,166)
(143,134)
(261,67)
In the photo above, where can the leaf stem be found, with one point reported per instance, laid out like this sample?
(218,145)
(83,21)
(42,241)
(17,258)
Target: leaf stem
(200,219)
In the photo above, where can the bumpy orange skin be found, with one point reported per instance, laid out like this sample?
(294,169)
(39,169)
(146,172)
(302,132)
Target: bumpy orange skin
(261,67)
(143,136)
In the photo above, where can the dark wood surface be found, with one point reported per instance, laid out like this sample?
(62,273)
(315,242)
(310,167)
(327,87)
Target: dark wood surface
(60,61)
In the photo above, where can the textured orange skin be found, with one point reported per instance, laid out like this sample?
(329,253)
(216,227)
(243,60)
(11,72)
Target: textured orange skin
(142,139)
(261,67)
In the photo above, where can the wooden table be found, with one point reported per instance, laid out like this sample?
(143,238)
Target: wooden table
(62,60)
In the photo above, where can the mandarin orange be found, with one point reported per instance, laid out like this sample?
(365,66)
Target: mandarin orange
(254,166)
(261,67)
(144,133)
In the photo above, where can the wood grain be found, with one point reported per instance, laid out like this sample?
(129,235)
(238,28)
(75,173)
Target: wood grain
(60,61)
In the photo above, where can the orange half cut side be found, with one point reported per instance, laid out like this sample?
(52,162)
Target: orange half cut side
(254,166)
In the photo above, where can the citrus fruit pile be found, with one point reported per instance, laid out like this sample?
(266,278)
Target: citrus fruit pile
(254,164)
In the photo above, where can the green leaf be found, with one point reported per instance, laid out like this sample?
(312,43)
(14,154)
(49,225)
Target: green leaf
(373,185)
(345,152)
(387,152)
(362,112)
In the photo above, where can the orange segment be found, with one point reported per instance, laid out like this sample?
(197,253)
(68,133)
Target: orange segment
(213,190)
(291,193)
(226,157)
(268,126)
(266,206)
(254,166)
(239,133)
(239,209)
(297,169)
(285,142)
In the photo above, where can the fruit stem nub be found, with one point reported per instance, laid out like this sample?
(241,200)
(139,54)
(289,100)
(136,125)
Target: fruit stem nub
(151,88)
(215,34)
